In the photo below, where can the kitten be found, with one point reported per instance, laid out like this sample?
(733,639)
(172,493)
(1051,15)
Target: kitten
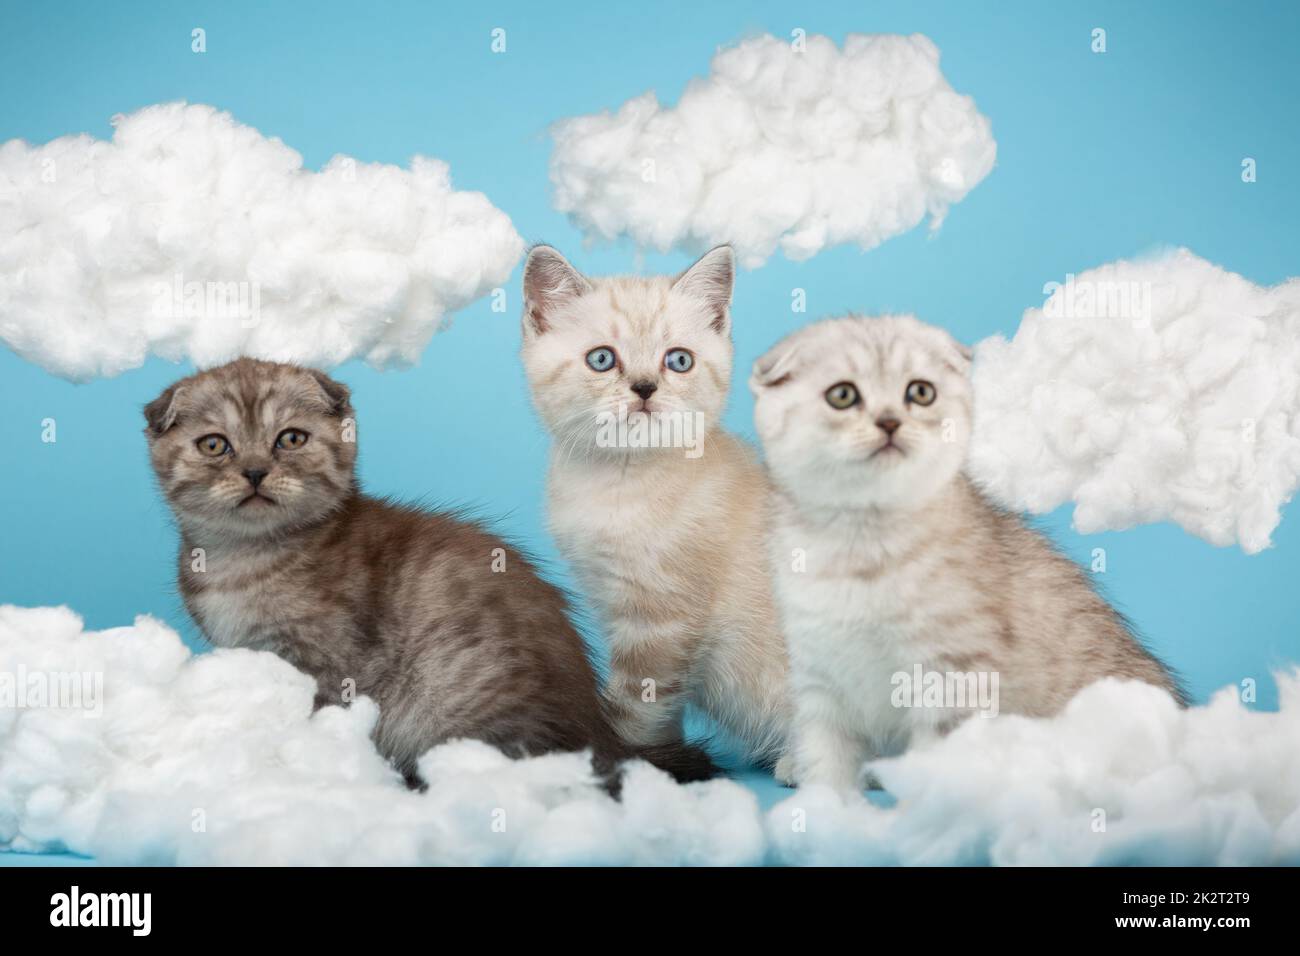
(446,627)
(890,566)
(668,542)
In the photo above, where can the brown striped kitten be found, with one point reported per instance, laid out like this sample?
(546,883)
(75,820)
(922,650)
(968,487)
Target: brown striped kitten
(445,626)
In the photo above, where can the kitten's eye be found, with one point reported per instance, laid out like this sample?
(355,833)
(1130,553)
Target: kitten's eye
(601,359)
(290,439)
(921,392)
(214,446)
(679,360)
(841,396)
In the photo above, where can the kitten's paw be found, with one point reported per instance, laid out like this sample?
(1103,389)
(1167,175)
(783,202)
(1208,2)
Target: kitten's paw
(784,770)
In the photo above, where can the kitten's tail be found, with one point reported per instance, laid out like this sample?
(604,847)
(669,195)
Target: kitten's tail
(686,762)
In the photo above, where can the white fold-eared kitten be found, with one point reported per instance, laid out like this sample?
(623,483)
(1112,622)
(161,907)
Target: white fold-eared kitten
(662,514)
(907,599)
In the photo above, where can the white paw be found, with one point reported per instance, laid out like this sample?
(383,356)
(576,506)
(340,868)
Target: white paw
(784,770)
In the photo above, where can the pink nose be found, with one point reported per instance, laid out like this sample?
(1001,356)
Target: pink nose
(888,425)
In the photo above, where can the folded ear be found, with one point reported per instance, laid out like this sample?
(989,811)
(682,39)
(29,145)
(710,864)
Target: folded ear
(955,355)
(775,367)
(160,414)
(965,355)
(338,394)
(710,280)
(549,282)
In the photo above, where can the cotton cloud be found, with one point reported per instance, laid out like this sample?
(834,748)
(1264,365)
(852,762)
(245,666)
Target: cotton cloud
(779,149)
(217,759)
(1123,776)
(192,236)
(1158,390)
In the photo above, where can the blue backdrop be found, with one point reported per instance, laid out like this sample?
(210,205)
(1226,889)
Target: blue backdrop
(1100,156)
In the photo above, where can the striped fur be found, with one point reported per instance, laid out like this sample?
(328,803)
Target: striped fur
(446,626)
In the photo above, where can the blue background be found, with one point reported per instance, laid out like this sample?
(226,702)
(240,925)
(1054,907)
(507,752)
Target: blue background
(1100,156)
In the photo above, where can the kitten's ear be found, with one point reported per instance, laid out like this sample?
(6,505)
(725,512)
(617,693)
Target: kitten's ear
(957,356)
(160,414)
(774,368)
(711,279)
(338,395)
(549,282)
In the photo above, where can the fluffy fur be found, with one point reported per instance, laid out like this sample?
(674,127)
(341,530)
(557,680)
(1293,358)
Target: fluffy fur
(886,557)
(669,544)
(445,626)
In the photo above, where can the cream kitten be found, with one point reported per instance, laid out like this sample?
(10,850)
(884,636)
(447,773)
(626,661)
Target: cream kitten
(662,514)
(908,600)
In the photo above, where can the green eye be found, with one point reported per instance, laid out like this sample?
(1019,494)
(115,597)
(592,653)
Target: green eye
(601,359)
(842,396)
(921,392)
(290,439)
(214,446)
(679,360)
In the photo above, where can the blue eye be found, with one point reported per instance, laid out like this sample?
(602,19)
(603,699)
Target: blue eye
(601,359)
(679,360)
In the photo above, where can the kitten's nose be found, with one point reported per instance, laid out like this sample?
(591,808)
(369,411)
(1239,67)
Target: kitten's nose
(888,425)
(255,476)
(645,389)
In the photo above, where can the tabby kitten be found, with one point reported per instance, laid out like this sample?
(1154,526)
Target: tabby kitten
(669,541)
(445,626)
(891,566)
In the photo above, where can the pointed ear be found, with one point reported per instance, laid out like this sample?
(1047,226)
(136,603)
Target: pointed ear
(338,394)
(711,279)
(775,367)
(549,282)
(160,414)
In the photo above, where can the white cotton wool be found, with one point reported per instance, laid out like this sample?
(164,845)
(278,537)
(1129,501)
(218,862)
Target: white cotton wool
(781,146)
(1165,389)
(1123,776)
(218,759)
(192,236)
